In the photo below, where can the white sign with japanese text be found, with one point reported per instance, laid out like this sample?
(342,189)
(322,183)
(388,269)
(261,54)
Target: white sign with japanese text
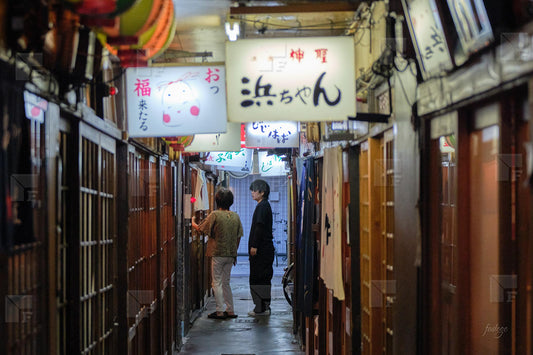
(227,142)
(272,134)
(291,79)
(176,101)
(428,36)
(271,165)
(232,161)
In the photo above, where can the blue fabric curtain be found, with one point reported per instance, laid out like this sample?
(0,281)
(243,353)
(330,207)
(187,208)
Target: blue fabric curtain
(306,253)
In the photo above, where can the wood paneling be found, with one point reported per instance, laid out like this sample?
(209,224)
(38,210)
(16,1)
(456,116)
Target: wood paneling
(388,281)
(376,211)
(97,235)
(365,257)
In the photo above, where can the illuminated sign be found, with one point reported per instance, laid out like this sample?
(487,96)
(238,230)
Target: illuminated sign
(229,141)
(175,101)
(428,37)
(291,79)
(272,134)
(240,161)
(271,165)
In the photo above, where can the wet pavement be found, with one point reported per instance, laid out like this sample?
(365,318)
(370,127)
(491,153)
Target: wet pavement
(245,334)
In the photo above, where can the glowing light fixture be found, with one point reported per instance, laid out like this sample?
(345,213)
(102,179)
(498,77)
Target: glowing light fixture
(232,31)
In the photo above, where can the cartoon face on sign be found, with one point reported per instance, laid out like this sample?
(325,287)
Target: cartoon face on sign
(180,103)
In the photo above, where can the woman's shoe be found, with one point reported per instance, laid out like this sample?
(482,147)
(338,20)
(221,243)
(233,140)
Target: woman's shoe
(214,315)
(227,315)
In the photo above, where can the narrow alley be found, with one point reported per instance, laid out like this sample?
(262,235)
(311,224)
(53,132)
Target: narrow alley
(245,334)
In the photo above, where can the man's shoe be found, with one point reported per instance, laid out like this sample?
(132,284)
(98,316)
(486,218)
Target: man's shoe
(265,313)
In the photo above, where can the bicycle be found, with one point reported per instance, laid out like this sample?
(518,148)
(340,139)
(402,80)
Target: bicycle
(287,282)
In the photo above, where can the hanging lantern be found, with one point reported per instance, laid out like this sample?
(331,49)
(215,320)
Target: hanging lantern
(100,8)
(179,143)
(123,6)
(141,33)
(163,32)
(93,7)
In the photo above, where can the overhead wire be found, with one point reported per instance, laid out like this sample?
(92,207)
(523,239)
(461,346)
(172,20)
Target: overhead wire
(281,27)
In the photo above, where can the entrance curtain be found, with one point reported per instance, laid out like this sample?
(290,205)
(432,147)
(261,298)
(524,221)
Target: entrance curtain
(331,222)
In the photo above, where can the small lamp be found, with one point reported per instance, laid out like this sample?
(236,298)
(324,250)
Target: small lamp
(232,31)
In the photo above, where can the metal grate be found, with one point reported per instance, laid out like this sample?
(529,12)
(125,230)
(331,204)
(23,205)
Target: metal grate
(24,305)
(388,285)
(365,248)
(241,320)
(97,234)
(168,253)
(244,206)
(142,246)
(62,220)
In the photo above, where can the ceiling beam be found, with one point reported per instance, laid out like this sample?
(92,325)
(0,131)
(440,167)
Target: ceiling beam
(317,7)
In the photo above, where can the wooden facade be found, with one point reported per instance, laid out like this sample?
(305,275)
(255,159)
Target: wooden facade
(95,263)
(479,225)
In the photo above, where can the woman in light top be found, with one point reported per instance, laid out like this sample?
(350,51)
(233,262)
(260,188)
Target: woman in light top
(224,229)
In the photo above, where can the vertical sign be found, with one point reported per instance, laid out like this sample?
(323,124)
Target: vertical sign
(175,101)
(428,36)
(291,79)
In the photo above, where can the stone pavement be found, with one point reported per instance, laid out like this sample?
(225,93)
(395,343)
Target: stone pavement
(245,335)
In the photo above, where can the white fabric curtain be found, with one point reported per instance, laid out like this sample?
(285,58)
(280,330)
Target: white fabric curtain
(331,234)
(200,192)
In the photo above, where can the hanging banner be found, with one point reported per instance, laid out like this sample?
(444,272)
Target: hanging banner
(175,101)
(228,142)
(271,165)
(306,148)
(331,233)
(428,36)
(291,79)
(272,134)
(232,161)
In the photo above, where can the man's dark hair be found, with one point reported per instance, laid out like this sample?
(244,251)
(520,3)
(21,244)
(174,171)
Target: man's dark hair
(261,186)
(224,198)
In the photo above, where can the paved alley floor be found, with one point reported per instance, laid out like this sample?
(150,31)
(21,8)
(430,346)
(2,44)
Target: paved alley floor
(245,335)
